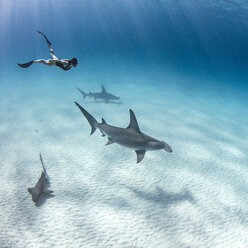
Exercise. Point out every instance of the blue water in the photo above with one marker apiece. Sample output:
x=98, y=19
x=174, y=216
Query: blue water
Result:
x=182, y=67
x=203, y=38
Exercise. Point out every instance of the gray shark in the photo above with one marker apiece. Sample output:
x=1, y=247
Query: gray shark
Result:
x=130, y=137
x=40, y=187
x=100, y=95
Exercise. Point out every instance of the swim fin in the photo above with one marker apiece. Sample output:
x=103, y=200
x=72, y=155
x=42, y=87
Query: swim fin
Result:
x=48, y=42
x=25, y=65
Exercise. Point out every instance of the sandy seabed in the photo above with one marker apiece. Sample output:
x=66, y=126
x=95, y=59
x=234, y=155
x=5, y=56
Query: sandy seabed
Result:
x=194, y=197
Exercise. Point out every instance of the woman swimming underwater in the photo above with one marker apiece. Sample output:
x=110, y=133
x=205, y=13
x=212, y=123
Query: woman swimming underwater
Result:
x=65, y=64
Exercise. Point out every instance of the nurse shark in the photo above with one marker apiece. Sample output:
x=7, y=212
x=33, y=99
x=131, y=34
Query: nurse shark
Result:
x=41, y=185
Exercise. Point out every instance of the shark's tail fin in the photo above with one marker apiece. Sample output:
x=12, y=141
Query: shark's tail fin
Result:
x=41, y=160
x=89, y=118
x=25, y=65
x=82, y=92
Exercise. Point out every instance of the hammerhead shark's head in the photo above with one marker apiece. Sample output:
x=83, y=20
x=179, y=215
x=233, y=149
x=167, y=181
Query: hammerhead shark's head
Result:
x=130, y=137
x=40, y=187
x=100, y=95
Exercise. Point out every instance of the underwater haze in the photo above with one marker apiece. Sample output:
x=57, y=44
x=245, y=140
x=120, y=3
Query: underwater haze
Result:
x=181, y=66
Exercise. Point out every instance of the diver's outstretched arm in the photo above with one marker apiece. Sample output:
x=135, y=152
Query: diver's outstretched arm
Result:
x=48, y=42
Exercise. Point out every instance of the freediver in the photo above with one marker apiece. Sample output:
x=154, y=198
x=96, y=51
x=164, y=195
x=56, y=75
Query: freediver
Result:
x=64, y=64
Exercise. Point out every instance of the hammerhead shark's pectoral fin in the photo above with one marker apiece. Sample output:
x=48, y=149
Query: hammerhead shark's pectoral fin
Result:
x=103, y=135
x=140, y=155
x=47, y=191
x=109, y=142
x=30, y=190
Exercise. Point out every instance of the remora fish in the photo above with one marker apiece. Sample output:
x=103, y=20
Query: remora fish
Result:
x=100, y=95
x=40, y=187
x=130, y=137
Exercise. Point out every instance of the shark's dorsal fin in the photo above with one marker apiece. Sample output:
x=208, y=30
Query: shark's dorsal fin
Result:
x=103, y=121
x=140, y=155
x=103, y=89
x=133, y=122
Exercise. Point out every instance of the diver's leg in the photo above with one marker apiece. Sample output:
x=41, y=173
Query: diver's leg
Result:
x=52, y=56
x=43, y=61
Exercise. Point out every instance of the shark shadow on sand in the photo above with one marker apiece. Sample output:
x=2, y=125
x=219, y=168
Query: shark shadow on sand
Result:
x=163, y=197
x=105, y=96
x=40, y=192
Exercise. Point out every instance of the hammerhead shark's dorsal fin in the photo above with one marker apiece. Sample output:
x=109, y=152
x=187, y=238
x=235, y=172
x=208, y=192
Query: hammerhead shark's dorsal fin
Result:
x=103, y=89
x=133, y=122
x=103, y=121
x=140, y=155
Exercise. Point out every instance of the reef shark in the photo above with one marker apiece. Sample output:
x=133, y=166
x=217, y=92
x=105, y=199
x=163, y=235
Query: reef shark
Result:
x=130, y=137
x=100, y=95
x=40, y=187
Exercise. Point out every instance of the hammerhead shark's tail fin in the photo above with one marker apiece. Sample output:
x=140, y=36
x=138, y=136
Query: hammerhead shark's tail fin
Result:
x=41, y=160
x=89, y=118
x=83, y=93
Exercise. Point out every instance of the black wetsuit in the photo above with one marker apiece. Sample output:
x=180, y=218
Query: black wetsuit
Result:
x=63, y=67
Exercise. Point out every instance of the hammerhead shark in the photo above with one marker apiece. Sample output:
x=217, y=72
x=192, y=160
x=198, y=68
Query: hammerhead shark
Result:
x=40, y=187
x=130, y=137
x=100, y=95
